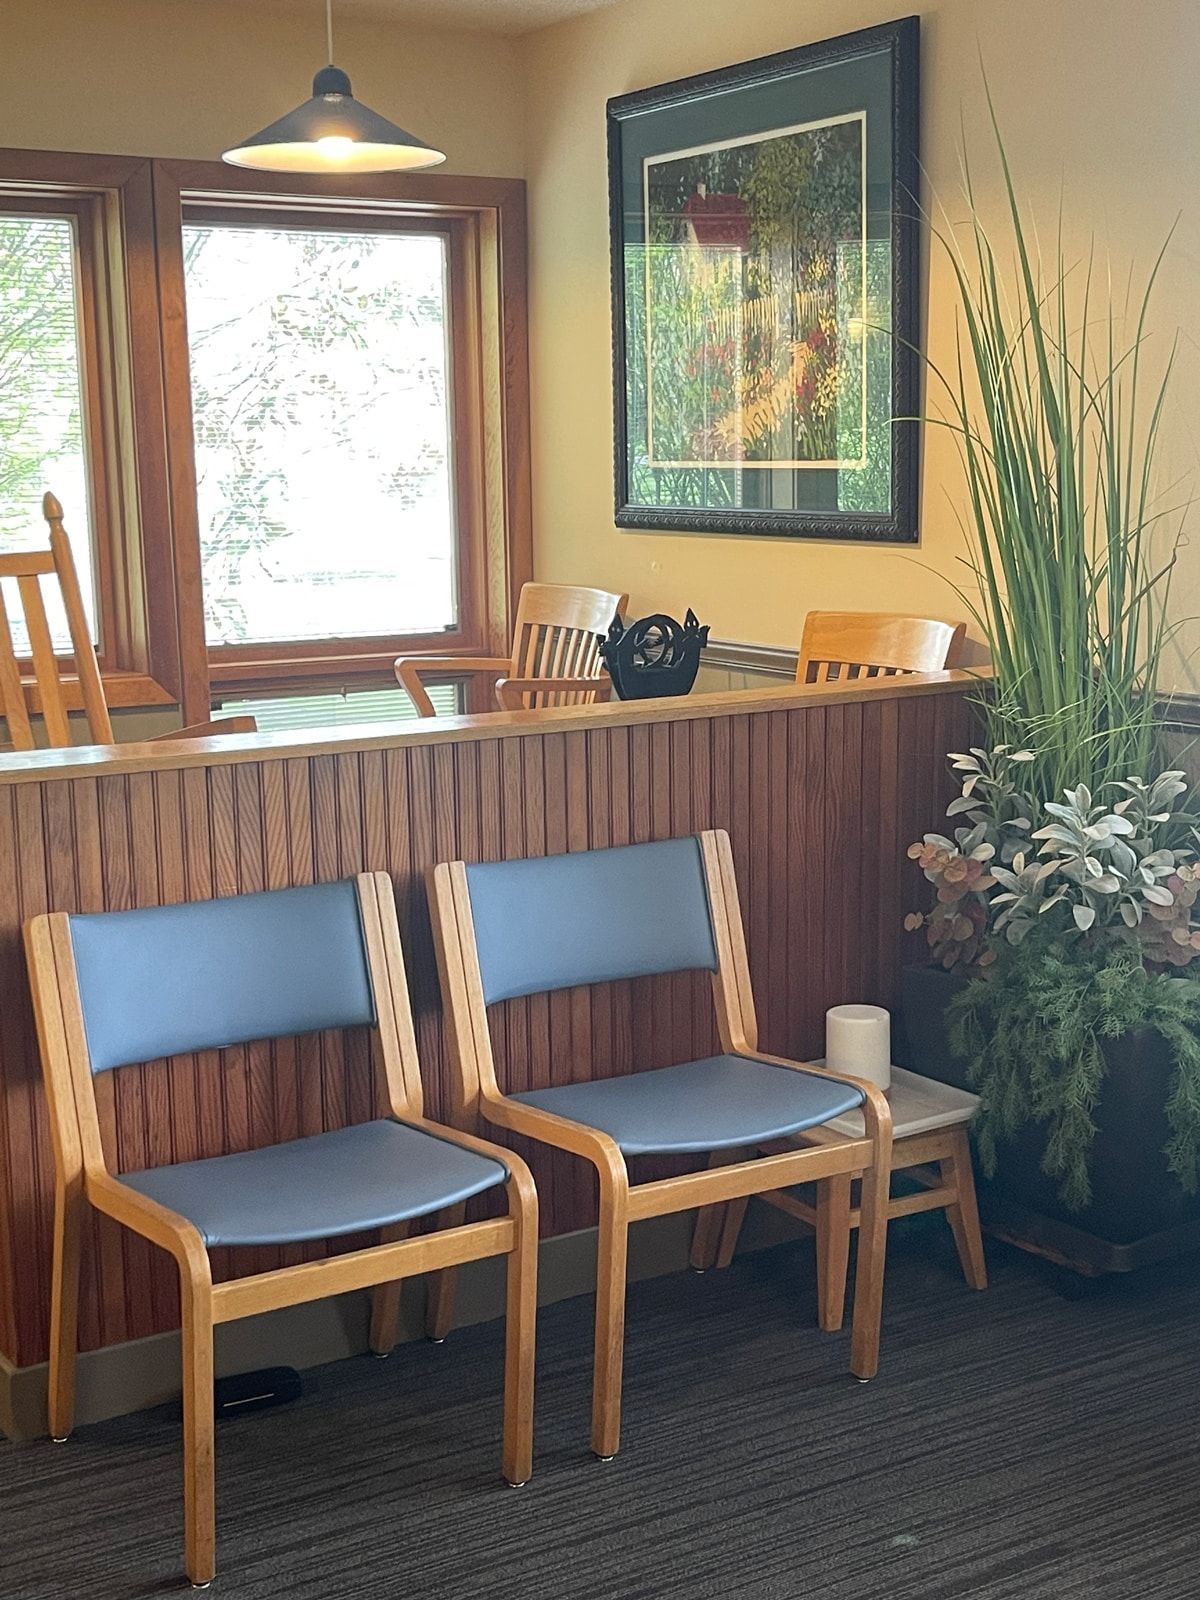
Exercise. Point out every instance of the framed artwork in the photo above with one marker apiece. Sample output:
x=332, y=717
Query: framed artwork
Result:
x=764, y=246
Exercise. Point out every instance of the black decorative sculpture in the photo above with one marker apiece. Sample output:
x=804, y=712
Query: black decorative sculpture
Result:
x=656, y=656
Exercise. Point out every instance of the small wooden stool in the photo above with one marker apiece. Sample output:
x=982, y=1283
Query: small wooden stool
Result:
x=929, y=1143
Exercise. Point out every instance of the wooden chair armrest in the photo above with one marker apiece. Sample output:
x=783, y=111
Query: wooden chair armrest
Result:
x=876, y=1108
x=153, y=1221
x=408, y=671
x=519, y=1173
x=599, y=1148
x=510, y=691
x=207, y=730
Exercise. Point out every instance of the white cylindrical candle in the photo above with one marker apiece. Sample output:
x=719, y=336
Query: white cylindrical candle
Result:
x=858, y=1041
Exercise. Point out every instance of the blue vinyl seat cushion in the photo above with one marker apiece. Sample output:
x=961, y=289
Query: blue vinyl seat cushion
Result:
x=713, y=1104
x=317, y=1188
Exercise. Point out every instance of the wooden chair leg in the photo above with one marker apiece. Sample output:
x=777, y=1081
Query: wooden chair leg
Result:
x=833, y=1250
x=439, y=1294
x=612, y=1251
x=519, y=1347
x=731, y=1228
x=958, y=1173
x=69, y=1213
x=199, y=1463
x=385, y=1301
x=868, y=1273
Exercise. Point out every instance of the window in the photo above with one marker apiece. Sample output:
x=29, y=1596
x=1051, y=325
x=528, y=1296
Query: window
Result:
x=320, y=381
x=43, y=439
x=287, y=420
x=289, y=713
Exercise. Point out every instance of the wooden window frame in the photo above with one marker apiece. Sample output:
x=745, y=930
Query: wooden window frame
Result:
x=111, y=200
x=485, y=221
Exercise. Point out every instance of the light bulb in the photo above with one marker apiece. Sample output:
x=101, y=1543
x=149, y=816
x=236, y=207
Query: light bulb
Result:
x=335, y=146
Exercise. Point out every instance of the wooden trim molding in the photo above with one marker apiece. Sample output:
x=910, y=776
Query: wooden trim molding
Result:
x=92, y=761
x=765, y=660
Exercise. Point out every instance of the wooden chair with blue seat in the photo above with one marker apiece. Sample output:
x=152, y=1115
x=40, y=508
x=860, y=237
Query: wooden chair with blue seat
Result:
x=115, y=988
x=513, y=928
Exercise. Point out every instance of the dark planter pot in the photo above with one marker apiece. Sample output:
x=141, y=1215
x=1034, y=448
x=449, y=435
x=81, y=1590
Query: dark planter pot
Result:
x=1138, y=1213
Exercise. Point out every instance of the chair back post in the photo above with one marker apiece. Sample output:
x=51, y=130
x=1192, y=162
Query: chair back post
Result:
x=58, y=1013
x=393, y=1013
x=465, y=1009
x=737, y=1023
x=87, y=669
x=845, y=646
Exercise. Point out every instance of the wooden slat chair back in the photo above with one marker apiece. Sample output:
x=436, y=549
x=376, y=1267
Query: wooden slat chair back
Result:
x=514, y=928
x=29, y=567
x=845, y=646
x=555, y=658
x=114, y=988
x=50, y=694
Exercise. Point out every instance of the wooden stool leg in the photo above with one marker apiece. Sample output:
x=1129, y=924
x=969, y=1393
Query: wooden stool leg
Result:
x=868, y=1273
x=612, y=1251
x=439, y=1302
x=69, y=1212
x=385, y=1301
x=833, y=1250
x=519, y=1335
x=199, y=1465
x=711, y=1221
x=706, y=1237
x=731, y=1228
x=958, y=1173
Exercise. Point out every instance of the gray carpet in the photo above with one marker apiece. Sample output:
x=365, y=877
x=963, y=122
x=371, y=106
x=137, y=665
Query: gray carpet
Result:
x=1018, y=1445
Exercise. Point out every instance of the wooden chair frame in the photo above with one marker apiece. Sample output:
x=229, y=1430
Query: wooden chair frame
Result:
x=28, y=567
x=554, y=658
x=728, y=1176
x=84, y=1177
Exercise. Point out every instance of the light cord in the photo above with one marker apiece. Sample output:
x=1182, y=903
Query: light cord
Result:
x=329, y=30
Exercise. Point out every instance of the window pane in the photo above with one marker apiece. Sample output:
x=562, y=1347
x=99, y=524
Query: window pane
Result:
x=290, y=713
x=41, y=405
x=320, y=394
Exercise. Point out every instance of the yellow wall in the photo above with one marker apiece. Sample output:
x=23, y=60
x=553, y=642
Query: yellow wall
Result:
x=187, y=78
x=1096, y=96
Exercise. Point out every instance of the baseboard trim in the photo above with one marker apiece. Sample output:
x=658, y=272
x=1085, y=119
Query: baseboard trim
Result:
x=145, y=1372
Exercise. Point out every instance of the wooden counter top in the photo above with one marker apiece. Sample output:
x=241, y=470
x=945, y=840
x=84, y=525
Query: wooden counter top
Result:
x=98, y=760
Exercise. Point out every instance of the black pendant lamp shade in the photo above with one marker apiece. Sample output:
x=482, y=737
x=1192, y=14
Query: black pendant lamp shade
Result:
x=333, y=132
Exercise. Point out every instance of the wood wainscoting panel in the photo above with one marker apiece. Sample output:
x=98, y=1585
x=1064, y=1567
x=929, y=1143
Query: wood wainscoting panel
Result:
x=819, y=793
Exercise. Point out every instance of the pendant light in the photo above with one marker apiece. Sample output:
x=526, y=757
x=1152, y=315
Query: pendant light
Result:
x=333, y=132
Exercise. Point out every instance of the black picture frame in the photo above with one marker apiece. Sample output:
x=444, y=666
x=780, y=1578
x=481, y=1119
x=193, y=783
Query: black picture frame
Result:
x=894, y=46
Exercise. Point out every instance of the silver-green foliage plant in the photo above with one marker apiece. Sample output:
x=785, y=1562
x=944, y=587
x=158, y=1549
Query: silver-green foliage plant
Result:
x=1074, y=932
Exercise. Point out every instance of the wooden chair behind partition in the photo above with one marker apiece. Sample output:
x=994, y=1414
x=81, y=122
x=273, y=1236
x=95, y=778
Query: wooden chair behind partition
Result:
x=51, y=696
x=555, y=658
x=840, y=646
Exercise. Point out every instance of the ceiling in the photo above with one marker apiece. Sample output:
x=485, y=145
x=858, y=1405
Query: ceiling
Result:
x=483, y=16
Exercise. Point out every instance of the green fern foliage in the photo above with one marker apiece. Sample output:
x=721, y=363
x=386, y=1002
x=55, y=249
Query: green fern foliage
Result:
x=1032, y=1033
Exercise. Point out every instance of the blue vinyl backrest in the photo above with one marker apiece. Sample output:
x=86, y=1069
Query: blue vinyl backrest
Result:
x=210, y=973
x=557, y=921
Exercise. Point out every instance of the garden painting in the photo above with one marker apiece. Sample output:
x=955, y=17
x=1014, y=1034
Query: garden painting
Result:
x=755, y=292
x=766, y=357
